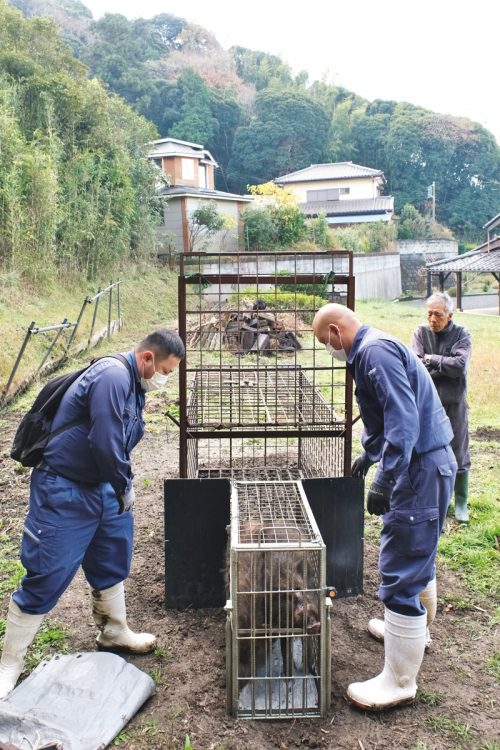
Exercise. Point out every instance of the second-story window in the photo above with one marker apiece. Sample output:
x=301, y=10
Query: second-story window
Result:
x=187, y=169
x=202, y=171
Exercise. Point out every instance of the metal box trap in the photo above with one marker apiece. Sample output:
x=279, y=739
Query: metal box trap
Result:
x=278, y=612
x=257, y=391
x=265, y=449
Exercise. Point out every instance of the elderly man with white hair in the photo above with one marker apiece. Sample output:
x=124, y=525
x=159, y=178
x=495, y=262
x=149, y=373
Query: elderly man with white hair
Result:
x=445, y=349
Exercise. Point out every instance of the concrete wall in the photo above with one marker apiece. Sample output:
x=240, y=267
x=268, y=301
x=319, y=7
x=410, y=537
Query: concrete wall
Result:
x=378, y=275
x=415, y=254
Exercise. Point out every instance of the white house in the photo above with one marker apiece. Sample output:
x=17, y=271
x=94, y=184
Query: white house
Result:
x=190, y=170
x=346, y=193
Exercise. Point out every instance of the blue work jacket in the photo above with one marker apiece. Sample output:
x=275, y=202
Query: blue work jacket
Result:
x=400, y=408
x=109, y=404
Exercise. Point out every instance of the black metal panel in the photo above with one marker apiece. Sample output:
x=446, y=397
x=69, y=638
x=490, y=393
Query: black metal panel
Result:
x=197, y=513
x=337, y=504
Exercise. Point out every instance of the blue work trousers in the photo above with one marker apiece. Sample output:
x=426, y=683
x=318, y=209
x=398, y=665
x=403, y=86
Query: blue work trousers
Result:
x=71, y=524
x=411, y=530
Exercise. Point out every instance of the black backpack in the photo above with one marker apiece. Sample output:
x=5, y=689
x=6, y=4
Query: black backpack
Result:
x=34, y=431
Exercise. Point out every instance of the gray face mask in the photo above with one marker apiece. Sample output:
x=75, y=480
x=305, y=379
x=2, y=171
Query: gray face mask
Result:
x=339, y=354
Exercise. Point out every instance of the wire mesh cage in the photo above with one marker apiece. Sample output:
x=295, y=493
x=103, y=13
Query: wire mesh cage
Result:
x=278, y=614
x=258, y=395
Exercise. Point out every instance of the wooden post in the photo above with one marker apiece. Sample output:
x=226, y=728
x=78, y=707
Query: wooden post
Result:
x=458, y=277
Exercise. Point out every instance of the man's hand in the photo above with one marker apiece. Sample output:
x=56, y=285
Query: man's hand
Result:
x=126, y=501
x=427, y=360
x=360, y=467
x=379, y=499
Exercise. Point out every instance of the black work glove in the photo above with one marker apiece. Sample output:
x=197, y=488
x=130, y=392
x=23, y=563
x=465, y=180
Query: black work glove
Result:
x=126, y=501
x=360, y=467
x=379, y=499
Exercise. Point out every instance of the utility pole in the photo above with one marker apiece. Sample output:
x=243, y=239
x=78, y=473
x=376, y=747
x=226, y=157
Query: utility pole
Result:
x=431, y=193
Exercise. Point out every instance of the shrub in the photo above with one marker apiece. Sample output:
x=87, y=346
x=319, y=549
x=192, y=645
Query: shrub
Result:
x=278, y=300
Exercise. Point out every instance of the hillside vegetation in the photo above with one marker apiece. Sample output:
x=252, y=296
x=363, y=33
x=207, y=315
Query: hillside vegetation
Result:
x=76, y=194
x=261, y=121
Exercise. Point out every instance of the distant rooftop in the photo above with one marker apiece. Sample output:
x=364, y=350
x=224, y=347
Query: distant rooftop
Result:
x=174, y=147
x=382, y=205
x=177, y=191
x=485, y=258
x=334, y=171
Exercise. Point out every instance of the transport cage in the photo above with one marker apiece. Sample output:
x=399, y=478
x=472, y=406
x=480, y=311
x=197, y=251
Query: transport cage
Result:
x=259, y=396
x=278, y=612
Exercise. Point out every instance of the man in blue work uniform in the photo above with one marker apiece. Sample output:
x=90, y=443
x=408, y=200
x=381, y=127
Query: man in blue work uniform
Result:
x=408, y=433
x=81, y=501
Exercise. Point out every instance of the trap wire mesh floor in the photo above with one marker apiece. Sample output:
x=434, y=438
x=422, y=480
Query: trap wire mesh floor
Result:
x=249, y=398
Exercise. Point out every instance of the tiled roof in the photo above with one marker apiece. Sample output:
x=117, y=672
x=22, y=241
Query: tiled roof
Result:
x=181, y=190
x=174, y=147
x=335, y=171
x=480, y=259
x=349, y=207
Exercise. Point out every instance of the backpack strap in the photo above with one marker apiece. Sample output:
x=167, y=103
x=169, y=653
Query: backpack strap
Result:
x=74, y=422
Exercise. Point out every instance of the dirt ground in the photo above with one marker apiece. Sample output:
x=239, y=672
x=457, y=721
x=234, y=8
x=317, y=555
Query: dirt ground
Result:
x=457, y=705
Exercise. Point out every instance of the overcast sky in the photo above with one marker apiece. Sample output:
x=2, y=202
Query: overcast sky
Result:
x=440, y=54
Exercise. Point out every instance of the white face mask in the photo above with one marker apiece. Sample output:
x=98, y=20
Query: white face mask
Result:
x=339, y=354
x=154, y=383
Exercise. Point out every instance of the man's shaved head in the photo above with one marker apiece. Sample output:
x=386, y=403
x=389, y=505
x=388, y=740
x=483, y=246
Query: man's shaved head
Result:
x=333, y=319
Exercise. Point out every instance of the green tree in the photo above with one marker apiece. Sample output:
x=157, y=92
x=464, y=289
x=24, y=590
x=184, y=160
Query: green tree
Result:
x=196, y=122
x=76, y=193
x=289, y=132
x=261, y=69
x=203, y=223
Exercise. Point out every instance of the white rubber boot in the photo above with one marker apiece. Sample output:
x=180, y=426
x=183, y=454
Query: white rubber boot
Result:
x=20, y=631
x=428, y=597
x=404, y=639
x=108, y=609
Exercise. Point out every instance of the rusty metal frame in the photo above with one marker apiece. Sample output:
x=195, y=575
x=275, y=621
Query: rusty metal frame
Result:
x=264, y=273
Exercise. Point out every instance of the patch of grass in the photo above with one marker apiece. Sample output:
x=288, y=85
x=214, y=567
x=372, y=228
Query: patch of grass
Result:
x=493, y=666
x=149, y=728
x=11, y=570
x=429, y=697
x=121, y=738
x=155, y=674
x=490, y=745
x=456, y=602
x=146, y=483
x=148, y=299
x=187, y=743
x=51, y=638
x=448, y=726
x=162, y=653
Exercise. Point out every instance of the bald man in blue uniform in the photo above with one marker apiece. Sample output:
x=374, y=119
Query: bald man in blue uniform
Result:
x=407, y=432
